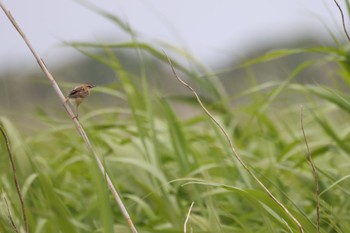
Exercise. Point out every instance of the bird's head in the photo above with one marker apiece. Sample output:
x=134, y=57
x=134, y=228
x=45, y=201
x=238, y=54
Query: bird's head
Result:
x=88, y=85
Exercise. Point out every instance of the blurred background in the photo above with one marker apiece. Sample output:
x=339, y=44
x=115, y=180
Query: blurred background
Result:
x=218, y=35
x=253, y=63
x=214, y=32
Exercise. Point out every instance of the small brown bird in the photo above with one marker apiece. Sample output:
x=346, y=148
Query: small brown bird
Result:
x=79, y=93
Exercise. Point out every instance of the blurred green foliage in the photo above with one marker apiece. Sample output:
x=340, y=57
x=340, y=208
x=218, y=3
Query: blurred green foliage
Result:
x=162, y=152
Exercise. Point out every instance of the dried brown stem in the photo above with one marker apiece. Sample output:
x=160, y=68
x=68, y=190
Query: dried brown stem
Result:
x=343, y=20
x=72, y=115
x=233, y=150
x=314, y=170
x=14, y=172
x=10, y=217
x=188, y=217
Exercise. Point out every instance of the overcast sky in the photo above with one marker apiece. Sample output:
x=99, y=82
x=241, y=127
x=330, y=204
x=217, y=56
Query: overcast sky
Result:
x=212, y=30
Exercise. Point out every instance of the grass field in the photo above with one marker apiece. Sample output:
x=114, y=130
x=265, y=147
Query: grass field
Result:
x=163, y=152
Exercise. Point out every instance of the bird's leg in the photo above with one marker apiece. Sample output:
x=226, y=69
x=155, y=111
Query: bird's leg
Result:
x=66, y=101
x=76, y=111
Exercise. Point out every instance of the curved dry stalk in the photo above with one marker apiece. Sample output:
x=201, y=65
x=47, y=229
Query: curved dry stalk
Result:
x=18, y=190
x=188, y=217
x=343, y=20
x=72, y=115
x=233, y=150
x=314, y=170
x=10, y=216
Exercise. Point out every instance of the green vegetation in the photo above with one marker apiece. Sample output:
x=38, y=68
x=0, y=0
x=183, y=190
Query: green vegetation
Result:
x=163, y=152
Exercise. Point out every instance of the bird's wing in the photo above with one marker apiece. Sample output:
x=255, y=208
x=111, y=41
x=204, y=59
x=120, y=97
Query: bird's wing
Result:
x=75, y=92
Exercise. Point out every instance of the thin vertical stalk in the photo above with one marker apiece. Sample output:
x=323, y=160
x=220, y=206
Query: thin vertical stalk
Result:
x=314, y=170
x=19, y=193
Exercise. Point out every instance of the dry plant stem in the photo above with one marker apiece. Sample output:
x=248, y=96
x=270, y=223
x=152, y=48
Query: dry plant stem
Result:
x=10, y=217
x=343, y=20
x=72, y=115
x=314, y=170
x=15, y=180
x=233, y=150
x=187, y=217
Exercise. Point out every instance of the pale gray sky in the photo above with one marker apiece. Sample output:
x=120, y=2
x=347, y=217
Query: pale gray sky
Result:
x=212, y=30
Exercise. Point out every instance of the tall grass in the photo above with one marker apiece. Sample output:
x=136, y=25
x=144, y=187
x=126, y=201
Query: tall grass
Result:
x=163, y=153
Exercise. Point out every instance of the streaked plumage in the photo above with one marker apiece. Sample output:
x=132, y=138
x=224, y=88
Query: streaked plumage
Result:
x=79, y=93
